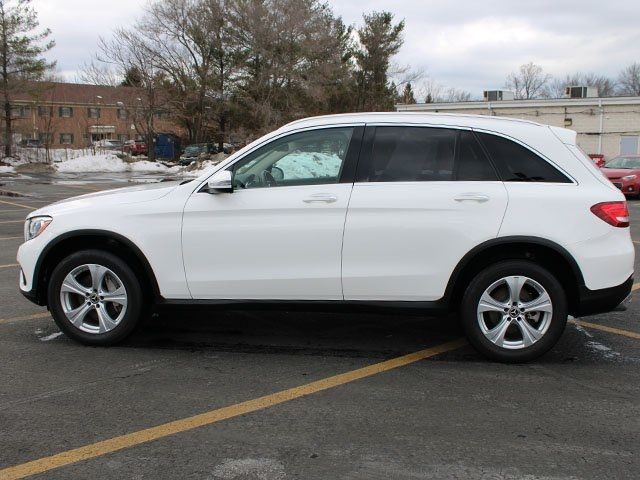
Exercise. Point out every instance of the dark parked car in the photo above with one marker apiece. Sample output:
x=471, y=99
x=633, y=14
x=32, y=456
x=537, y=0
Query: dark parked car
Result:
x=193, y=152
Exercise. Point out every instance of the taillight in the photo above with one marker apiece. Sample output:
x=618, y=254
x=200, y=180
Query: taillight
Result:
x=614, y=213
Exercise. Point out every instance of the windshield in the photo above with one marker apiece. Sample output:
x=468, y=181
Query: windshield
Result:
x=623, y=162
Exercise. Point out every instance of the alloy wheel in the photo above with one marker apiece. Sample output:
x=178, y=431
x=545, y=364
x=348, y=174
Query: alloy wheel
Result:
x=514, y=312
x=93, y=298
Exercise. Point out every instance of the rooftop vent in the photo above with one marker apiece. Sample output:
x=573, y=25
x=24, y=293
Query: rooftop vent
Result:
x=497, y=95
x=574, y=91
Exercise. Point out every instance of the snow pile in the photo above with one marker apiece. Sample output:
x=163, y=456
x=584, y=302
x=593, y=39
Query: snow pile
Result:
x=109, y=162
x=309, y=165
x=7, y=169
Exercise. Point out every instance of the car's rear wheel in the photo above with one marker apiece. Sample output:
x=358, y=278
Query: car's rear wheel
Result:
x=514, y=311
x=95, y=297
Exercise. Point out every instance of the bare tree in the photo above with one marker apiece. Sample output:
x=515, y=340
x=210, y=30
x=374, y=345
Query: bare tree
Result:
x=21, y=60
x=127, y=49
x=528, y=82
x=629, y=80
x=434, y=92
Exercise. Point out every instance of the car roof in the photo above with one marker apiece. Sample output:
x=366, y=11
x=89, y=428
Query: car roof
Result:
x=515, y=127
x=408, y=117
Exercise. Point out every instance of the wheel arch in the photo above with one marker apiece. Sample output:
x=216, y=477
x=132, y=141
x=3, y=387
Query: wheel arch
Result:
x=112, y=242
x=544, y=252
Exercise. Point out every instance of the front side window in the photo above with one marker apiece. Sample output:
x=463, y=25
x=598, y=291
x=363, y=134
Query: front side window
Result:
x=65, y=112
x=93, y=112
x=66, y=138
x=516, y=163
x=313, y=157
x=425, y=154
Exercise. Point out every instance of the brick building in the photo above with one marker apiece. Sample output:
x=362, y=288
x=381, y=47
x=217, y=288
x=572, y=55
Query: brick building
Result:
x=73, y=115
x=606, y=126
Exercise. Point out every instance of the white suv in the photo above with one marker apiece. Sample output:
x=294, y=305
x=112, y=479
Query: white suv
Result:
x=505, y=222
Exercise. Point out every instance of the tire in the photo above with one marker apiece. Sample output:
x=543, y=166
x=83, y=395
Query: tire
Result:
x=99, y=319
x=526, y=330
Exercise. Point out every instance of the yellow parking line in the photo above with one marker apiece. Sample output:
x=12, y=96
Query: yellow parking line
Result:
x=9, y=265
x=11, y=238
x=11, y=221
x=604, y=328
x=149, y=434
x=18, y=319
x=635, y=287
x=17, y=204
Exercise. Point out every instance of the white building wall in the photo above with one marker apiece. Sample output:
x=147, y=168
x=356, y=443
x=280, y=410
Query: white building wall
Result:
x=618, y=116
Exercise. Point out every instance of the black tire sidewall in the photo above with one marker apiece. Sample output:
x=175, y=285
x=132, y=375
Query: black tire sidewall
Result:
x=129, y=280
x=493, y=273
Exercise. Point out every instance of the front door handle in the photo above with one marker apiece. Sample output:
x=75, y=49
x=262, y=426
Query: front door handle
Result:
x=321, y=198
x=472, y=197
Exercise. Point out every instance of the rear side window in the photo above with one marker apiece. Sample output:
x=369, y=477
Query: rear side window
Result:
x=516, y=163
x=423, y=154
x=472, y=163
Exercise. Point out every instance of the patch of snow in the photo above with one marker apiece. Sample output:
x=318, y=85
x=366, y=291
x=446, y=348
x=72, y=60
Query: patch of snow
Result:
x=50, y=337
x=254, y=468
x=108, y=162
x=7, y=169
x=598, y=347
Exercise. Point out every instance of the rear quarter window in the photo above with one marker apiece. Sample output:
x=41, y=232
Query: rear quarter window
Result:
x=516, y=163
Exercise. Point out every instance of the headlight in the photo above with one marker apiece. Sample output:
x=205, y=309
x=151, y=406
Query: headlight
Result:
x=34, y=226
x=628, y=178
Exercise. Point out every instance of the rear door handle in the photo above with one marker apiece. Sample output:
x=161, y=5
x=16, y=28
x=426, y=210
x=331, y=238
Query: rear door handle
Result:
x=321, y=198
x=472, y=197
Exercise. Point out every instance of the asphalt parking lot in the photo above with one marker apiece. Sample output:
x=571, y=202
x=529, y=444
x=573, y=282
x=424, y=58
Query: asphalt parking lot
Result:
x=300, y=395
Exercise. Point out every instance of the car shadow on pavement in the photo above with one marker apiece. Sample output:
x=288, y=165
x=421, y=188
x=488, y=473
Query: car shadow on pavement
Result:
x=295, y=332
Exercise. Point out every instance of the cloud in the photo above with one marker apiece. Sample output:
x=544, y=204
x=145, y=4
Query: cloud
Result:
x=474, y=45
x=466, y=44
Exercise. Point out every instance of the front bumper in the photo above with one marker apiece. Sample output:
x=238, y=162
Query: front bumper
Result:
x=627, y=187
x=591, y=302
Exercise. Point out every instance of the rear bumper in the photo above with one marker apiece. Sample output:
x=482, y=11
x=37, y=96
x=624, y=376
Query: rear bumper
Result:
x=591, y=302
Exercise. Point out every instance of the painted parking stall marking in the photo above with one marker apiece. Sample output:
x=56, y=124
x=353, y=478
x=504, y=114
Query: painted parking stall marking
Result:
x=17, y=204
x=208, y=418
x=25, y=317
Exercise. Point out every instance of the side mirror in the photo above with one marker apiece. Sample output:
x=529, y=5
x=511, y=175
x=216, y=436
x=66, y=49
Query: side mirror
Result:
x=221, y=182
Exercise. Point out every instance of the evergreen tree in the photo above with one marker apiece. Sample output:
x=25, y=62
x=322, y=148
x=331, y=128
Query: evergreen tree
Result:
x=380, y=40
x=407, y=95
x=21, y=60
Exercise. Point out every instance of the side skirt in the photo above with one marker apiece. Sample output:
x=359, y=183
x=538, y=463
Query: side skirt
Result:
x=436, y=308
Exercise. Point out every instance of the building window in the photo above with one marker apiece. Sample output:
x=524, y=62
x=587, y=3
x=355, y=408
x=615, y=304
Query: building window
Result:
x=45, y=138
x=20, y=112
x=123, y=114
x=45, y=111
x=66, y=138
x=65, y=112
x=629, y=145
x=123, y=137
x=93, y=112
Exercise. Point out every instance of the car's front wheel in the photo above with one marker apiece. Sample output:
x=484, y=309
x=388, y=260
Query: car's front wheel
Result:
x=95, y=297
x=514, y=311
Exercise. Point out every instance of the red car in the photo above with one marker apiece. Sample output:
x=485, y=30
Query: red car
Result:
x=135, y=147
x=624, y=173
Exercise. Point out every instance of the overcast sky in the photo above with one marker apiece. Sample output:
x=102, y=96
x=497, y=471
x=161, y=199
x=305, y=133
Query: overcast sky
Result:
x=468, y=44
